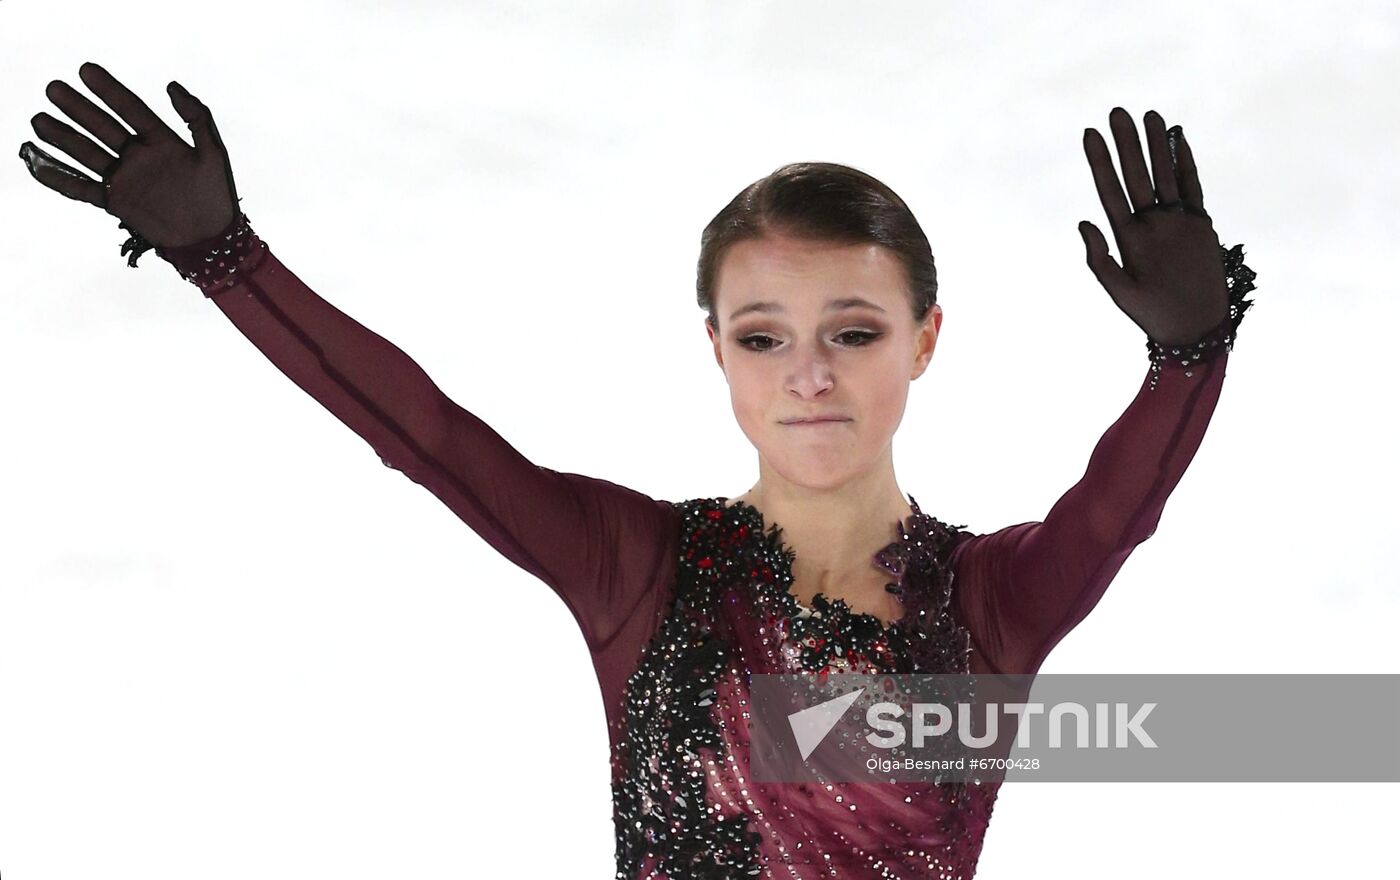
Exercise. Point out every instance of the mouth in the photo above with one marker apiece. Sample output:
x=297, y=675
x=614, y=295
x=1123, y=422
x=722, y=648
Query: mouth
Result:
x=812, y=422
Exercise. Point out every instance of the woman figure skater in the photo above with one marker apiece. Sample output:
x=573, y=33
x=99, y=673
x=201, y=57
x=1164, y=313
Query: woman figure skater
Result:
x=820, y=293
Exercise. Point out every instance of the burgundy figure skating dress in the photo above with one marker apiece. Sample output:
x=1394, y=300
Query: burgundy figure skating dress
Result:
x=680, y=602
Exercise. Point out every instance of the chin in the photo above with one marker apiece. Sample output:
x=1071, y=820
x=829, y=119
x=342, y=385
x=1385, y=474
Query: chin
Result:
x=818, y=474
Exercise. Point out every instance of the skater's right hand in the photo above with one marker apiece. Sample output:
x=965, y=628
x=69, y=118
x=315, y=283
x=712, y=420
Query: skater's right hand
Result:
x=156, y=184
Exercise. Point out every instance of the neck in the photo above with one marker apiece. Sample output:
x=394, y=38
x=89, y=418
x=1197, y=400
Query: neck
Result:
x=833, y=531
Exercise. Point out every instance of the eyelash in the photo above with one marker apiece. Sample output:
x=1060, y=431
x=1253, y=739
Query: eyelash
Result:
x=867, y=337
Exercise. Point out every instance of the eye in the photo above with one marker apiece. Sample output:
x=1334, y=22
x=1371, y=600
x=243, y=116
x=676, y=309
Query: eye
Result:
x=752, y=342
x=863, y=337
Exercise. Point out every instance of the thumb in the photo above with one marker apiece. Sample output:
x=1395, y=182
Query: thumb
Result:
x=1095, y=246
x=197, y=116
x=1104, y=267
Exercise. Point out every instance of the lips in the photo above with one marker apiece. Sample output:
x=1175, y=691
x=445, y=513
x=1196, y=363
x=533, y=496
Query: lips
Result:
x=815, y=420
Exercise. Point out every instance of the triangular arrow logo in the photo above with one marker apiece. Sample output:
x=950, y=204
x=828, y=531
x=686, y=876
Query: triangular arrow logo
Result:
x=811, y=725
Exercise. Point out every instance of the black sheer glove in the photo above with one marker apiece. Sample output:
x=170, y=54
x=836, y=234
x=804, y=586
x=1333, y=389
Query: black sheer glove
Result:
x=1173, y=280
x=165, y=192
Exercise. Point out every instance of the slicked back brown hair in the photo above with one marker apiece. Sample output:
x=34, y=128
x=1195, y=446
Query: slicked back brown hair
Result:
x=820, y=201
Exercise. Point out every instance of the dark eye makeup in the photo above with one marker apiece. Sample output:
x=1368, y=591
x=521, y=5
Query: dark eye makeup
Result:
x=854, y=339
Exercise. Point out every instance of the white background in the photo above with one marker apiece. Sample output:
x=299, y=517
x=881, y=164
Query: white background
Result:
x=233, y=644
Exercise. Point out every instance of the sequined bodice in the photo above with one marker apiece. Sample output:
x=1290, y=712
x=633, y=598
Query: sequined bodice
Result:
x=685, y=807
x=825, y=635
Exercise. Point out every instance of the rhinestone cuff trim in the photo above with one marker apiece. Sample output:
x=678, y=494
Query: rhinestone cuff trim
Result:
x=1240, y=279
x=218, y=262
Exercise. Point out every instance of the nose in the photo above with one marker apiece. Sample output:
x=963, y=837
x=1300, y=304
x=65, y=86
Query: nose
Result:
x=811, y=372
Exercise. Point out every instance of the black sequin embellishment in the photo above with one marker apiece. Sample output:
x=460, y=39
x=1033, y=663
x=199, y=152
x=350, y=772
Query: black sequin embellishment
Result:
x=134, y=246
x=732, y=616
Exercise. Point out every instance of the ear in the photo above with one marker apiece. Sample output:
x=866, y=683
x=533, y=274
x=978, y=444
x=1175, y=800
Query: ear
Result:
x=926, y=341
x=714, y=340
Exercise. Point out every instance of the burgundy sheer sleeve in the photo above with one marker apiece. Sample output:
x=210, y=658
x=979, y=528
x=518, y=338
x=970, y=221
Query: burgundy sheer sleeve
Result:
x=598, y=545
x=1021, y=589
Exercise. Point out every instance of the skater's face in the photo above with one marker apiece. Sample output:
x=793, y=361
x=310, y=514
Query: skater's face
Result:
x=818, y=329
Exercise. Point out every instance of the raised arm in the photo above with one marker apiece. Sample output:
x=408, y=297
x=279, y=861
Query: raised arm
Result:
x=595, y=543
x=1021, y=589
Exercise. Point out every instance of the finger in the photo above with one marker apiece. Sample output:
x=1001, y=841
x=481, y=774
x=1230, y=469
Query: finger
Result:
x=1190, y=180
x=130, y=108
x=1100, y=261
x=62, y=178
x=197, y=116
x=1130, y=159
x=87, y=114
x=208, y=144
x=1118, y=283
x=66, y=138
x=1115, y=204
x=1163, y=169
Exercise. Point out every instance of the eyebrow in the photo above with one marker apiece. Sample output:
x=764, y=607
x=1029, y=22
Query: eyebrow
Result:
x=831, y=306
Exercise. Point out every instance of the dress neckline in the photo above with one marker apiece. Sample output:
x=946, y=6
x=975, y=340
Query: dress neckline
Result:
x=890, y=559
